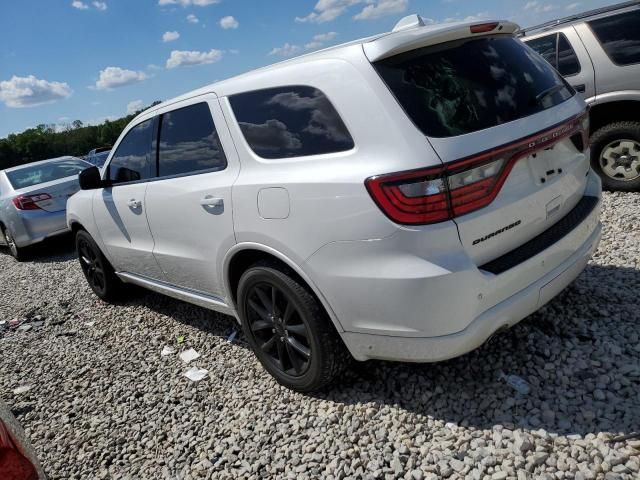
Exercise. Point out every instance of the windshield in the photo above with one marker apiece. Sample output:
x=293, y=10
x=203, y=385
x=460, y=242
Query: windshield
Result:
x=468, y=85
x=45, y=172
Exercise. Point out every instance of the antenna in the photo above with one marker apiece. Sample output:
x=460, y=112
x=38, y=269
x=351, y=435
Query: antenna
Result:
x=410, y=21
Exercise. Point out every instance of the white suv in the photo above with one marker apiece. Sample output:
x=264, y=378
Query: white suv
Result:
x=402, y=197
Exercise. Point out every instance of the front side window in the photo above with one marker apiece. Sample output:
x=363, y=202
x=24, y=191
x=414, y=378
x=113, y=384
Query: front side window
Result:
x=472, y=84
x=557, y=50
x=29, y=176
x=289, y=122
x=132, y=160
x=189, y=142
x=619, y=36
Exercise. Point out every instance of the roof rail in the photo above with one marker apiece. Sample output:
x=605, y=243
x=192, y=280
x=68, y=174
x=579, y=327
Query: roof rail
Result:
x=576, y=17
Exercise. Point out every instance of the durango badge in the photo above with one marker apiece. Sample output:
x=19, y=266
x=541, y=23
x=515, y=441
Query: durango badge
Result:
x=497, y=232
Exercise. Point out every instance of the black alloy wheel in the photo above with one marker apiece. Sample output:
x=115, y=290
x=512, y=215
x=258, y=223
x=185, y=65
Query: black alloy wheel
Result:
x=279, y=329
x=97, y=269
x=92, y=266
x=288, y=328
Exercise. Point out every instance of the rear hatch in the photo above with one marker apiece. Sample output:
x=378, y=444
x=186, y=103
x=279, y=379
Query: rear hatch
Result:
x=508, y=129
x=46, y=185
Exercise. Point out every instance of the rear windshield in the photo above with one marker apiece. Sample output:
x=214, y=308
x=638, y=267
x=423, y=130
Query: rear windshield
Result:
x=468, y=85
x=45, y=172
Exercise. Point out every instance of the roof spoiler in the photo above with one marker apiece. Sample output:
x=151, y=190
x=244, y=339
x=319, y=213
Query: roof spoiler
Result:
x=414, y=32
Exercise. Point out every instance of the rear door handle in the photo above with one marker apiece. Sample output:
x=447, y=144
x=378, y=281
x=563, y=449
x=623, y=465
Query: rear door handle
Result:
x=580, y=88
x=133, y=203
x=211, y=201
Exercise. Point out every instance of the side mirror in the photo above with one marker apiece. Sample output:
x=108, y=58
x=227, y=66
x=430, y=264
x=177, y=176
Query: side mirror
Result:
x=90, y=179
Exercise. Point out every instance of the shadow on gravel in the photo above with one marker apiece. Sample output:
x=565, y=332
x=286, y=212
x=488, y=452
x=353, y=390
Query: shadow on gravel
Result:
x=52, y=250
x=208, y=321
x=579, y=354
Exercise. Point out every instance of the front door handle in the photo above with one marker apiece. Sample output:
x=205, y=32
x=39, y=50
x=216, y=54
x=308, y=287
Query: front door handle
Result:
x=133, y=203
x=211, y=201
x=580, y=88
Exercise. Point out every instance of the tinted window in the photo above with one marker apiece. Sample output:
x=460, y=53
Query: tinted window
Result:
x=189, y=142
x=557, y=50
x=45, y=172
x=568, y=63
x=469, y=85
x=547, y=47
x=620, y=36
x=290, y=122
x=132, y=160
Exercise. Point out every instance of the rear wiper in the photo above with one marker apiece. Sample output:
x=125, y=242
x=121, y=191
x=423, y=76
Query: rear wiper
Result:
x=549, y=91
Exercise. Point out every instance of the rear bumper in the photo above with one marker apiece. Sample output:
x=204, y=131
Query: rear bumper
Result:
x=503, y=315
x=33, y=226
x=417, y=296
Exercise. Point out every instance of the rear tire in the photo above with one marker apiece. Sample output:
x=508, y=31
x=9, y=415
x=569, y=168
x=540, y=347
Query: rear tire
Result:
x=292, y=337
x=615, y=155
x=15, y=251
x=97, y=269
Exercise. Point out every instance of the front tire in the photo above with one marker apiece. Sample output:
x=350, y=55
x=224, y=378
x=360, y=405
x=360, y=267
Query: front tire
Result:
x=15, y=251
x=97, y=269
x=288, y=329
x=615, y=155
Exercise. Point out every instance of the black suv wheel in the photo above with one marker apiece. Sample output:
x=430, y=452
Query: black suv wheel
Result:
x=288, y=329
x=97, y=269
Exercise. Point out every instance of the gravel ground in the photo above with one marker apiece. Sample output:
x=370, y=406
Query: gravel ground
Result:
x=106, y=404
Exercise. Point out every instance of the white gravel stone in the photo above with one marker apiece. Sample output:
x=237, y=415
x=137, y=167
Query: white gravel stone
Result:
x=106, y=404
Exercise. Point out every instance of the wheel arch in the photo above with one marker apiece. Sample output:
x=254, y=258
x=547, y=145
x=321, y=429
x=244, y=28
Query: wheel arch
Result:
x=603, y=114
x=243, y=255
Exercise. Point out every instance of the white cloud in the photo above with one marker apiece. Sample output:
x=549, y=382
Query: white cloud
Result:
x=79, y=5
x=186, y=3
x=229, y=22
x=381, y=9
x=287, y=50
x=537, y=7
x=181, y=58
x=30, y=91
x=328, y=10
x=573, y=6
x=100, y=5
x=134, y=106
x=191, y=18
x=319, y=40
x=469, y=18
x=170, y=36
x=113, y=77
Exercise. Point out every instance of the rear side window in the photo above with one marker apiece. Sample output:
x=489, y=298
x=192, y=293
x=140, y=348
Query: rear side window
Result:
x=468, y=85
x=557, y=50
x=45, y=172
x=132, y=160
x=619, y=36
x=288, y=122
x=189, y=142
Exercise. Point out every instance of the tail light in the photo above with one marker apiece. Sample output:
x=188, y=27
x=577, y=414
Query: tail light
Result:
x=13, y=464
x=29, y=202
x=432, y=195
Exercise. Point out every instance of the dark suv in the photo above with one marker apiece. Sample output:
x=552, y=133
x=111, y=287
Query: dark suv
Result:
x=598, y=52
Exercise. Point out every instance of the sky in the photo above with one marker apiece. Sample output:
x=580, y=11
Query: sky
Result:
x=88, y=60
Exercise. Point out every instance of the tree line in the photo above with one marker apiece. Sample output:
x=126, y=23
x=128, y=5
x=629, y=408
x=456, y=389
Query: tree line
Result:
x=49, y=141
